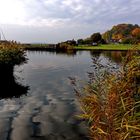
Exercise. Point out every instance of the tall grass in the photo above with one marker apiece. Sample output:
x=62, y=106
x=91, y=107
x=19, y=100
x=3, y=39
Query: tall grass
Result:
x=11, y=53
x=111, y=101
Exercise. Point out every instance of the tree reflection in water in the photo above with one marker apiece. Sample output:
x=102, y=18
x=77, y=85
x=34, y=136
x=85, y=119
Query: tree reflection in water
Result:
x=115, y=56
x=9, y=87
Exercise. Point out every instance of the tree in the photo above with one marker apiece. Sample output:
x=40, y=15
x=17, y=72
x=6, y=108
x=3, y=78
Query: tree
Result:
x=87, y=41
x=117, y=36
x=102, y=41
x=80, y=41
x=107, y=36
x=127, y=40
x=129, y=33
x=136, y=32
x=96, y=37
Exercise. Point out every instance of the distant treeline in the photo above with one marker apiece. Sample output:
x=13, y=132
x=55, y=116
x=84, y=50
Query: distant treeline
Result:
x=121, y=33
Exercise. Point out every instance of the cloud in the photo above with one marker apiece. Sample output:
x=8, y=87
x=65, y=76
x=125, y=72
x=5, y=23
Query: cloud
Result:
x=74, y=16
x=54, y=12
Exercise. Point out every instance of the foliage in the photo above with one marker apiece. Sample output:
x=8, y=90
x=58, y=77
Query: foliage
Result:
x=67, y=45
x=123, y=32
x=117, y=36
x=96, y=37
x=80, y=41
x=136, y=33
x=102, y=41
x=11, y=53
x=111, y=101
x=64, y=46
x=129, y=40
x=87, y=41
x=107, y=36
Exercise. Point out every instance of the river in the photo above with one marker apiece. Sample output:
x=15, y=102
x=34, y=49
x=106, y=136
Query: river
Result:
x=49, y=109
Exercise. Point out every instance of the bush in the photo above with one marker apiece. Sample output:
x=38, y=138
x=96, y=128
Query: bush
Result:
x=111, y=101
x=64, y=46
x=11, y=53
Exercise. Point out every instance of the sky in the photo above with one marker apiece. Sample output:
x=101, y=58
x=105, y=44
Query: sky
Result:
x=52, y=21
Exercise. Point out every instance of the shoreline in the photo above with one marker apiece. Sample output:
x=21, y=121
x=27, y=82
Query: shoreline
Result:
x=109, y=47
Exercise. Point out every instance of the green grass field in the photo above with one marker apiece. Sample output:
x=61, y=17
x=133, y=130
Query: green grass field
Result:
x=108, y=47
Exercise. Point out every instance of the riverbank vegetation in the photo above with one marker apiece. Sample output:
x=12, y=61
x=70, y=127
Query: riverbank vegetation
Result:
x=119, y=37
x=118, y=34
x=110, y=101
x=11, y=53
x=65, y=47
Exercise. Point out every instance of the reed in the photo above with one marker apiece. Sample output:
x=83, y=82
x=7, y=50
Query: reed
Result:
x=110, y=101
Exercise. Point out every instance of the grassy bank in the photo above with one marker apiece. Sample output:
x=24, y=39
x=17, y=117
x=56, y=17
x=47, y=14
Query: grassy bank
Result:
x=107, y=47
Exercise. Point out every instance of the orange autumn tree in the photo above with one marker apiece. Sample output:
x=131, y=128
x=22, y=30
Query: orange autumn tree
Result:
x=136, y=32
x=117, y=36
x=128, y=33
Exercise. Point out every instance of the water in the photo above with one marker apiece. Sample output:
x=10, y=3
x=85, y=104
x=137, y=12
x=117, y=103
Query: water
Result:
x=48, y=110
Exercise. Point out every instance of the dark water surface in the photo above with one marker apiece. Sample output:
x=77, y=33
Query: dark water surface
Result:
x=48, y=111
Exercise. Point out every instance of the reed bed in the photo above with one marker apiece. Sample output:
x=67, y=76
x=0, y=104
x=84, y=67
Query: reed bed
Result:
x=110, y=101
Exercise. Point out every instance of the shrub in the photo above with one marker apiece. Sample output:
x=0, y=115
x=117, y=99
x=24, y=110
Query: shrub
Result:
x=64, y=46
x=11, y=53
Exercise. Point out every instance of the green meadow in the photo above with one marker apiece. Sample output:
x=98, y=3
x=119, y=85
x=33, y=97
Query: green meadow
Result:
x=108, y=47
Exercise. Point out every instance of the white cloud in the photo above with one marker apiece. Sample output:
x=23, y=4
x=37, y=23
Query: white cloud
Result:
x=11, y=11
x=49, y=12
x=66, y=15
